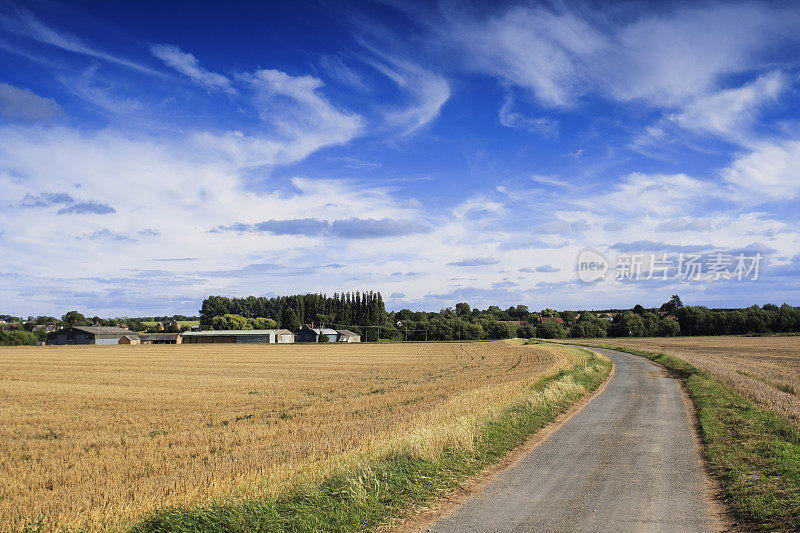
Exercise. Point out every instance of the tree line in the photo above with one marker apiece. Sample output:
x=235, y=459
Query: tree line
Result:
x=365, y=314
x=362, y=311
x=349, y=309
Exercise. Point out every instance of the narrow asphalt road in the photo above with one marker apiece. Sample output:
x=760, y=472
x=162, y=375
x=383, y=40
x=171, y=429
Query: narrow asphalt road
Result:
x=627, y=462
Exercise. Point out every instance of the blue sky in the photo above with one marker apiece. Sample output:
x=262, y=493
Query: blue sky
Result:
x=153, y=153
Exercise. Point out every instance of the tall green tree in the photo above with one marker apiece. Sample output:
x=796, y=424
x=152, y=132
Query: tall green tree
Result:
x=74, y=318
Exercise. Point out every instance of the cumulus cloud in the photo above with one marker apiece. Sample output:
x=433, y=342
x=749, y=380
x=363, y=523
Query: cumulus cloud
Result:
x=187, y=64
x=351, y=228
x=474, y=262
x=357, y=228
x=71, y=206
x=23, y=105
x=46, y=199
x=104, y=234
x=90, y=207
x=647, y=246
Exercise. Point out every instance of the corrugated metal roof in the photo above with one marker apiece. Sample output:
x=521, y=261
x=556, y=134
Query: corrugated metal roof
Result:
x=162, y=337
x=326, y=331
x=229, y=332
x=103, y=330
x=347, y=332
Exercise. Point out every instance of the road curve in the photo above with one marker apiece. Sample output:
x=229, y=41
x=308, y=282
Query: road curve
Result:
x=627, y=462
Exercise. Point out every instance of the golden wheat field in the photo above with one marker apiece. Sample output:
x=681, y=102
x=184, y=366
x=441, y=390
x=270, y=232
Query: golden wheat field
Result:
x=96, y=436
x=765, y=369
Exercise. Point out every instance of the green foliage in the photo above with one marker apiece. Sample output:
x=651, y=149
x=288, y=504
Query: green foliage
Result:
x=672, y=305
x=290, y=312
x=238, y=322
x=589, y=326
x=551, y=330
x=697, y=320
x=323, y=338
x=263, y=323
x=463, y=309
x=74, y=318
x=18, y=338
x=354, y=310
x=525, y=332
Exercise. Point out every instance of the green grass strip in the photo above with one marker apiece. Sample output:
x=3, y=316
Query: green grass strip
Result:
x=753, y=452
x=382, y=490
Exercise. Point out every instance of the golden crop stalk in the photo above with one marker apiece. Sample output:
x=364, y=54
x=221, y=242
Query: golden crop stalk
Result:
x=97, y=436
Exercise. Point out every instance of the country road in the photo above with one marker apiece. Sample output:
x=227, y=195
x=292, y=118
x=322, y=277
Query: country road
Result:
x=627, y=462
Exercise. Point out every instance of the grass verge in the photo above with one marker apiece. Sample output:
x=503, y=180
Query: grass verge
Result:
x=753, y=452
x=381, y=490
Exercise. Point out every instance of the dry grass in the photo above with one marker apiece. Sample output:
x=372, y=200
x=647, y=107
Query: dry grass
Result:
x=764, y=369
x=97, y=436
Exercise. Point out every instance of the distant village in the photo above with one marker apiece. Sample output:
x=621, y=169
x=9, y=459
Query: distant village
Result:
x=168, y=331
x=107, y=335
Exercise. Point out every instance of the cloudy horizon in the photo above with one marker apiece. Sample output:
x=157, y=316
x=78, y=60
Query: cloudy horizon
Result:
x=436, y=153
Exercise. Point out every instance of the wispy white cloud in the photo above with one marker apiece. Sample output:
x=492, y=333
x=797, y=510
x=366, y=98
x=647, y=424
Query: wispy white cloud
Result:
x=425, y=90
x=89, y=88
x=23, y=105
x=731, y=112
x=662, y=59
x=297, y=119
x=531, y=47
x=187, y=64
x=335, y=67
x=511, y=118
x=769, y=172
x=23, y=22
x=296, y=106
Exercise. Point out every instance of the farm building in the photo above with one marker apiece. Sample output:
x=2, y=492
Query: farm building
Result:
x=514, y=322
x=259, y=336
x=345, y=335
x=556, y=319
x=307, y=334
x=165, y=338
x=283, y=336
x=310, y=334
x=129, y=339
x=87, y=335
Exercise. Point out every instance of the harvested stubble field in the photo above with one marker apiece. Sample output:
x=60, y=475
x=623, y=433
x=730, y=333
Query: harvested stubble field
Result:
x=764, y=369
x=96, y=437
